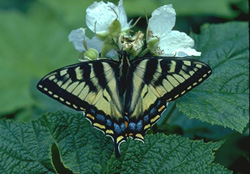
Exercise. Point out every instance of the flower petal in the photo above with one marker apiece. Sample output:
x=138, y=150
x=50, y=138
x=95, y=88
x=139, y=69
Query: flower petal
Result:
x=95, y=43
x=100, y=15
x=162, y=20
x=178, y=44
x=122, y=16
x=112, y=54
x=77, y=37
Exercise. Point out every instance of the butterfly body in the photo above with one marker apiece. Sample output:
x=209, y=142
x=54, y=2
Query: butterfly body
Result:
x=124, y=98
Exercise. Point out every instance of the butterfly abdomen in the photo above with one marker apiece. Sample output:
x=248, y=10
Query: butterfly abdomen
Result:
x=123, y=71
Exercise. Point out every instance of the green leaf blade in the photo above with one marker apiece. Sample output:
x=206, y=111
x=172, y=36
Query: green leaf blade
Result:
x=166, y=154
x=83, y=149
x=223, y=98
x=24, y=148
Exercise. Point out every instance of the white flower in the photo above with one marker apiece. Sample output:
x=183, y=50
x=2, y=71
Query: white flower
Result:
x=78, y=37
x=162, y=40
x=107, y=21
x=100, y=16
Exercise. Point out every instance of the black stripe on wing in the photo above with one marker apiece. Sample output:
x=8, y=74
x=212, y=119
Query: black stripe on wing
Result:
x=86, y=87
x=158, y=80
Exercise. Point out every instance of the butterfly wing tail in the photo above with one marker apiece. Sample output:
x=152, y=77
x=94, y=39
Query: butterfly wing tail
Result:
x=117, y=150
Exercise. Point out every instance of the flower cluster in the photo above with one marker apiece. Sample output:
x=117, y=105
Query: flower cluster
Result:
x=112, y=33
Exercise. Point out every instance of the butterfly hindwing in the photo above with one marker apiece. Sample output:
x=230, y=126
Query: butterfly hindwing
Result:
x=91, y=87
x=156, y=81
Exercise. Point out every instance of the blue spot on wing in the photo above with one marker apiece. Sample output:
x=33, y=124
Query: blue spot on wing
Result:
x=131, y=126
x=92, y=111
x=158, y=103
x=146, y=118
x=153, y=111
x=139, y=125
x=109, y=122
x=123, y=128
x=100, y=117
x=117, y=128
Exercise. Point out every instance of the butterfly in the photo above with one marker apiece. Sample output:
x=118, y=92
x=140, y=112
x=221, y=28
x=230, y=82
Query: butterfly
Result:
x=124, y=98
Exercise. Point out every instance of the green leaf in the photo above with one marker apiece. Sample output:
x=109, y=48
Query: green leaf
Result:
x=30, y=47
x=25, y=148
x=166, y=154
x=223, y=98
x=83, y=149
x=194, y=128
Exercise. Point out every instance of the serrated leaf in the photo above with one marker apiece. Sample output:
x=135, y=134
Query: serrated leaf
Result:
x=83, y=149
x=194, y=128
x=25, y=148
x=166, y=154
x=30, y=47
x=223, y=98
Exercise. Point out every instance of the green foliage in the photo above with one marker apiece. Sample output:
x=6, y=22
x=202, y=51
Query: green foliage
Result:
x=223, y=99
x=191, y=7
x=30, y=47
x=35, y=42
x=25, y=148
x=83, y=149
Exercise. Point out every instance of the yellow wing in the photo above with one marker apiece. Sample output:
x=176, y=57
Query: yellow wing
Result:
x=92, y=87
x=154, y=82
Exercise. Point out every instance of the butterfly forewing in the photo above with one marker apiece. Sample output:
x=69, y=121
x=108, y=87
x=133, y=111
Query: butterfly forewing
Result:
x=91, y=87
x=154, y=82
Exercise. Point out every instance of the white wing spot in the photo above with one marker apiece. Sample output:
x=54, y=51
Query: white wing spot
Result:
x=62, y=99
x=82, y=109
x=198, y=65
x=79, y=73
x=52, y=77
x=176, y=96
x=172, y=66
x=169, y=99
x=191, y=73
x=59, y=83
x=63, y=72
x=188, y=63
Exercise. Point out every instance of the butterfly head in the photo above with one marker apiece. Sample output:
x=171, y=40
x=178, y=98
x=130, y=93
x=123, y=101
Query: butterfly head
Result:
x=123, y=54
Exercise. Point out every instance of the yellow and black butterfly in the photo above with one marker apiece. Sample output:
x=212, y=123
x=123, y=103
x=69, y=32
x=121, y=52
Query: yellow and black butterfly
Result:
x=124, y=98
